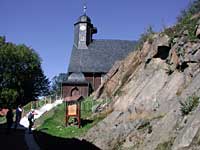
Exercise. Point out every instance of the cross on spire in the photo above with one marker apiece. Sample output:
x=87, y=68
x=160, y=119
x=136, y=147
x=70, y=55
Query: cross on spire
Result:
x=84, y=7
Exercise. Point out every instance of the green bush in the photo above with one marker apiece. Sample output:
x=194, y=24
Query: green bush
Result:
x=186, y=22
x=192, y=9
x=189, y=105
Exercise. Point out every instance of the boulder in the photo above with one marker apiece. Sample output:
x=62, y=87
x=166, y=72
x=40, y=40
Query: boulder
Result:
x=163, y=40
x=145, y=50
x=197, y=56
x=107, y=77
x=192, y=53
x=160, y=47
x=174, y=58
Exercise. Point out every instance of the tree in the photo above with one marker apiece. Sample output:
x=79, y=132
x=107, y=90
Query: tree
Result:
x=21, y=76
x=57, y=83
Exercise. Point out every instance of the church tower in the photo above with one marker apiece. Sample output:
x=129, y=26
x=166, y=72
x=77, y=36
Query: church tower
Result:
x=90, y=60
x=83, y=31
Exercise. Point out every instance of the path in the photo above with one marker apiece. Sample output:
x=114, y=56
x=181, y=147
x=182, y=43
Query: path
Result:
x=24, y=121
x=22, y=140
x=30, y=141
x=12, y=141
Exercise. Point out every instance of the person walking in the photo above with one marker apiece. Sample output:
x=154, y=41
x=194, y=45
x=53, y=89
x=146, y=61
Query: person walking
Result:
x=18, y=116
x=31, y=119
x=9, y=119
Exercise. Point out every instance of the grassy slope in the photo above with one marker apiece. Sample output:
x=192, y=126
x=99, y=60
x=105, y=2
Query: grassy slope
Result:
x=2, y=119
x=53, y=122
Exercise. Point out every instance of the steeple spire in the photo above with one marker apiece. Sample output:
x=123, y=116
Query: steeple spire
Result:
x=84, y=7
x=83, y=30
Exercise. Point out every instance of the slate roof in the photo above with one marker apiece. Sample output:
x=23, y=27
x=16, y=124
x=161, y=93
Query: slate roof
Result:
x=76, y=77
x=100, y=55
x=84, y=18
x=74, y=98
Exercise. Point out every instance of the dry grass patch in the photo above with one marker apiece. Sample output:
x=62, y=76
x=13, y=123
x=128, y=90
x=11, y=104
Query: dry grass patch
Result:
x=146, y=116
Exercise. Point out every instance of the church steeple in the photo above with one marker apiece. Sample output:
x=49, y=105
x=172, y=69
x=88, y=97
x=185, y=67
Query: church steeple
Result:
x=83, y=31
x=84, y=9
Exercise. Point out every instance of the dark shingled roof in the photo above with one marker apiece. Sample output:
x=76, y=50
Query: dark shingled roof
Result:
x=100, y=55
x=77, y=77
x=84, y=18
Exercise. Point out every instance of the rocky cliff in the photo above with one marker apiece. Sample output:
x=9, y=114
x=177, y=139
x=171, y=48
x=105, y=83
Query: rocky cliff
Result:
x=155, y=95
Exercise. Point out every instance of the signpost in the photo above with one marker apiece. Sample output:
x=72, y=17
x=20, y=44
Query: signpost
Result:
x=73, y=106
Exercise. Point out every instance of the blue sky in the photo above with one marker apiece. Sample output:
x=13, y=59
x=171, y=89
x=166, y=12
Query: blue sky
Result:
x=47, y=25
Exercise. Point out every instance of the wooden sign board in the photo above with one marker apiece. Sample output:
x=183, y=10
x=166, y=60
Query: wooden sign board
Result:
x=72, y=110
x=73, y=106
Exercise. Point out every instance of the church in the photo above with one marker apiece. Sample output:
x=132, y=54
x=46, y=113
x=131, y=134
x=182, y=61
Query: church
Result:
x=91, y=58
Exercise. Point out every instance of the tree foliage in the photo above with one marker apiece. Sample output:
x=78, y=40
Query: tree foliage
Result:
x=57, y=83
x=21, y=76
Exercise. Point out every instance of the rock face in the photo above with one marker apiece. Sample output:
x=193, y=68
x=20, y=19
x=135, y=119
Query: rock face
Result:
x=146, y=89
x=198, y=31
x=186, y=137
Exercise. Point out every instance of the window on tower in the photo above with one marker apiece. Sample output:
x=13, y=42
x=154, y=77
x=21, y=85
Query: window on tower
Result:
x=82, y=38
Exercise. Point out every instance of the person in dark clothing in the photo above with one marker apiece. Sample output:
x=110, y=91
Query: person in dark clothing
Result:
x=9, y=119
x=31, y=119
x=18, y=116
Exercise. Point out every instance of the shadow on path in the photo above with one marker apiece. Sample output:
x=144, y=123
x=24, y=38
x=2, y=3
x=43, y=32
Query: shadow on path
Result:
x=12, y=140
x=49, y=142
x=17, y=140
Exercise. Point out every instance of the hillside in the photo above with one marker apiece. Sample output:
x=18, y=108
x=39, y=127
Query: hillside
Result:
x=155, y=93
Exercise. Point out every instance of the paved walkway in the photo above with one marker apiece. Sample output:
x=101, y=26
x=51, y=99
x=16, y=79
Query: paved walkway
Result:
x=13, y=140
x=30, y=141
x=24, y=121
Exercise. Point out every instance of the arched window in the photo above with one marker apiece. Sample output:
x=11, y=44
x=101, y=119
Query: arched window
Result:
x=75, y=91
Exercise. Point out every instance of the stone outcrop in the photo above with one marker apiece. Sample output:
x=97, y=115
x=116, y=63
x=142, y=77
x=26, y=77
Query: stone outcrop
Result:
x=188, y=134
x=159, y=47
x=146, y=89
x=198, y=31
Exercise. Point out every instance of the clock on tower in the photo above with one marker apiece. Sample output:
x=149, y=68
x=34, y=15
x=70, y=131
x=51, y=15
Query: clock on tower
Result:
x=82, y=27
x=83, y=31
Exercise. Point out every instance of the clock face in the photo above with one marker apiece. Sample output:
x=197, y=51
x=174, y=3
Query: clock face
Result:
x=82, y=27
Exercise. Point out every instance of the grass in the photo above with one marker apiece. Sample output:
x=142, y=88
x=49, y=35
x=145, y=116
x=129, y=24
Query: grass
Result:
x=2, y=119
x=166, y=145
x=146, y=36
x=186, y=22
x=146, y=116
x=53, y=122
x=189, y=105
x=27, y=108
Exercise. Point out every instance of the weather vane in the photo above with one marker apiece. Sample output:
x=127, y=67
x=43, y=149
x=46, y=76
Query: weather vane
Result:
x=84, y=7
